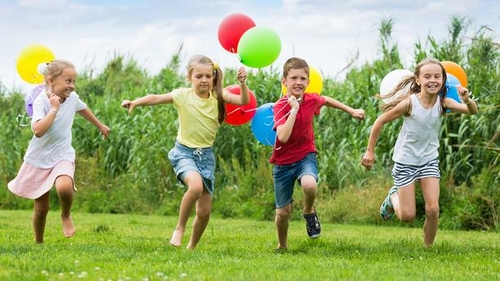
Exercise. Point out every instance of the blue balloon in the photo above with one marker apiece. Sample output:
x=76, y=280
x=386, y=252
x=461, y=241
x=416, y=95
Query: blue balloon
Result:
x=452, y=84
x=263, y=123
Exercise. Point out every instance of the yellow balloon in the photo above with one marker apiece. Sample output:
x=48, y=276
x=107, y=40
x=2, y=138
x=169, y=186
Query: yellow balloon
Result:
x=28, y=61
x=315, y=82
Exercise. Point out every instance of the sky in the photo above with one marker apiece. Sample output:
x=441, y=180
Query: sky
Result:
x=326, y=33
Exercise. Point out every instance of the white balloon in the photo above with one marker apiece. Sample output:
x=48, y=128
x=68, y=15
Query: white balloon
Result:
x=42, y=67
x=391, y=80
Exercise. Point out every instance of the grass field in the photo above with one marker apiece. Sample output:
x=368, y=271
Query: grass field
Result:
x=131, y=247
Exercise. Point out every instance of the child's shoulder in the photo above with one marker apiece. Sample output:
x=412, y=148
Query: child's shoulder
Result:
x=314, y=97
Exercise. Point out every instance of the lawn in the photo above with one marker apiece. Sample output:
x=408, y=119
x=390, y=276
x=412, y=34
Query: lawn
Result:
x=134, y=247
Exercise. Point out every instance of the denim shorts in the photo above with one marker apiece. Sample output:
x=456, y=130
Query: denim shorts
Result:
x=286, y=175
x=200, y=160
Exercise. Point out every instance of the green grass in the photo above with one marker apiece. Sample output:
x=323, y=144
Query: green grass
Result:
x=133, y=247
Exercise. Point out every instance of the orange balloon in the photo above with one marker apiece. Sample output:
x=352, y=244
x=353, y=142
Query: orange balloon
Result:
x=455, y=70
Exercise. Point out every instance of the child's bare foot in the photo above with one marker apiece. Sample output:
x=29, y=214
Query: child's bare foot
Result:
x=176, y=239
x=68, y=227
x=190, y=246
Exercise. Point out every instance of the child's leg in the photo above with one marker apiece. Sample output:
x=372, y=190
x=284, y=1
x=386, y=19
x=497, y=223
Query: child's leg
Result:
x=203, y=210
x=430, y=192
x=41, y=209
x=65, y=190
x=403, y=202
x=308, y=184
x=281, y=220
x=194, y=191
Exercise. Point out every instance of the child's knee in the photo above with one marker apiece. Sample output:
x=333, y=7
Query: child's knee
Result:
x=203, y=214
x=283, y=213
x=407, y=215
x=310, y=190
x=64, y=185
x=432, y=210
x=41, y=211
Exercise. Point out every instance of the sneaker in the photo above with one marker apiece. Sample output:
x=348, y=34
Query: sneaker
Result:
x=386, y=209
x=312, y=225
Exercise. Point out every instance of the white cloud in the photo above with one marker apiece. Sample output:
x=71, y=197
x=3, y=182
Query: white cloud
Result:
x=327, y=33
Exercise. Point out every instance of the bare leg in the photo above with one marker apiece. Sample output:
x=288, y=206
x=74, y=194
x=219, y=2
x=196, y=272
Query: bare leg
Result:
x=194, y=191
x=404, y=203
x=203, y=210
x=65, y=190
x=282, y=222
x=308, y=184
x=430, y=192
x=41, y=209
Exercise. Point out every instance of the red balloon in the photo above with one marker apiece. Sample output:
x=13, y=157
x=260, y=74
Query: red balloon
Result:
x=240, y=114
x=231, y=29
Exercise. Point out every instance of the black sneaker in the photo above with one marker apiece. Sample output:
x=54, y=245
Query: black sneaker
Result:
x=312, y=225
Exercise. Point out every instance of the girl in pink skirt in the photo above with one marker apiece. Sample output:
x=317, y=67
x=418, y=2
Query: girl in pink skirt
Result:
x=50, y=158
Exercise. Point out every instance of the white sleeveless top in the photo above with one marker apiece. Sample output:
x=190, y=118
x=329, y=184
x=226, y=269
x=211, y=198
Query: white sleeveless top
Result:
x=418, y=140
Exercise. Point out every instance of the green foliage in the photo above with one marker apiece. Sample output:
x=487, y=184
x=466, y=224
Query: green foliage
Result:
x=476, y=206
x=130, y=172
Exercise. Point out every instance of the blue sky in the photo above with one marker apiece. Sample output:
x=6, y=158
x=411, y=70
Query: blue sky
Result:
x=327, y=33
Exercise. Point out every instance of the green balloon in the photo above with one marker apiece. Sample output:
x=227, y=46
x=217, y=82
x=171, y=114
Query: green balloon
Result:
x=259, y=47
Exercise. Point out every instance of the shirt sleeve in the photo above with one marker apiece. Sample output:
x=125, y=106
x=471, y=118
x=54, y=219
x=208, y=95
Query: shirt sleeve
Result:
x=80, y=105
x=39, y=106
x=179, y=96
x=321, y=102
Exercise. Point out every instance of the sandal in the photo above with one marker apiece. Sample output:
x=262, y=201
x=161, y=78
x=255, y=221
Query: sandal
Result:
x=386, y=208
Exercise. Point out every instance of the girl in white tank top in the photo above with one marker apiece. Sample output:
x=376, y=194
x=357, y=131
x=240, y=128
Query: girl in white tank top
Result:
x=416, y=150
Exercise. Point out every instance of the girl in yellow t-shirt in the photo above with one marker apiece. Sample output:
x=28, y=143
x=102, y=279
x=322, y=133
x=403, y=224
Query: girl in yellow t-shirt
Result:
x=201, y=110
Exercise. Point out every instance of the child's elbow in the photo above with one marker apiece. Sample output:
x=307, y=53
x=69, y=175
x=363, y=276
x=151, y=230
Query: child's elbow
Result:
x=283, y=140
x=38, y=134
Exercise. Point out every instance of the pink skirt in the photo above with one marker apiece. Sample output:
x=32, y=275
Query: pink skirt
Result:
x=32, y=182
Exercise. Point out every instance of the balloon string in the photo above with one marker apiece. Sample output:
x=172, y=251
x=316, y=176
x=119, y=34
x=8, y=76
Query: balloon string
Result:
x=240, y=109
x=284, y=99
x=286, y=115
x=18, y=119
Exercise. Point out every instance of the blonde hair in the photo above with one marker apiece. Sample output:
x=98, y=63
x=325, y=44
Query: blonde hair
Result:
x=201, y=59
x=55, y=68
x=295, y=63
x=410, y=81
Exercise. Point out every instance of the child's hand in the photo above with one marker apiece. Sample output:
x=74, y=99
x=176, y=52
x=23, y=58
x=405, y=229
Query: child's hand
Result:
x=55, y=101
x=293, y=102
x=242, y=75
x=464, y=94
x=104, y=130
x=128, y=104
x=358, y=114
x=368, y=160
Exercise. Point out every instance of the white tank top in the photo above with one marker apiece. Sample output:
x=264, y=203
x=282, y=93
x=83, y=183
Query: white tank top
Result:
x=418, y=140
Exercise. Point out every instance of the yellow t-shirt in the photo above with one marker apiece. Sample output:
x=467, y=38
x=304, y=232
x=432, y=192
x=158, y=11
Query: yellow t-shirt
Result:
x=198, y=118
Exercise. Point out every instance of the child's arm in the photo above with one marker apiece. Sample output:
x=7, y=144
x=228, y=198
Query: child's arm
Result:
x=468, y=106
x=42, y=126
x=284, y=131
x=87, y=114
x=244, y=96
x=356, y=113
x=386, y=117
x=147, y=100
